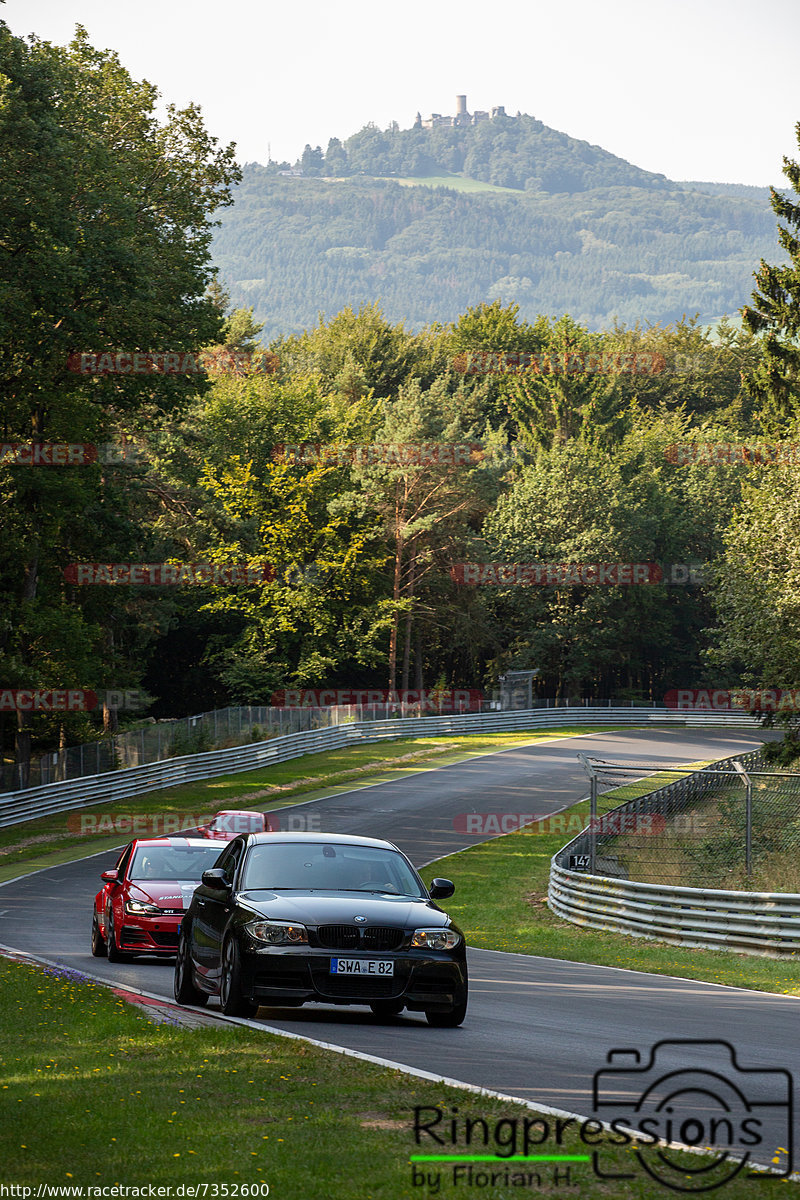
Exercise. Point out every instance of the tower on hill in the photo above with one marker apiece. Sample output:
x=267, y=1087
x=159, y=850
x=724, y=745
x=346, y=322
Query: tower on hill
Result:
x=462, y=117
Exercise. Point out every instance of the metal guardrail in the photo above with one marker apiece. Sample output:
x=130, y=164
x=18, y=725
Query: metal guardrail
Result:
x=766, y=923
x=761, y=923
x=16, y=807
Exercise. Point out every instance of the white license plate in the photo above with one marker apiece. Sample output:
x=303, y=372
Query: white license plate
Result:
x=362, y=966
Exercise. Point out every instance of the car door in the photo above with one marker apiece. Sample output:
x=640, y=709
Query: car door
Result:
x=212, y=910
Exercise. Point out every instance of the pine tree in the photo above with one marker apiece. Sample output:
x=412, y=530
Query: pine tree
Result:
x=776, y=311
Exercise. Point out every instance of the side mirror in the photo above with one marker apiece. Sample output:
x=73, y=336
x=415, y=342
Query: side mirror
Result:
x=440, y=889
x=214, y=878
x=109, y=876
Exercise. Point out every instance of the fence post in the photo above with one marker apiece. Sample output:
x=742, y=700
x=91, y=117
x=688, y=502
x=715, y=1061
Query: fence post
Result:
x=592, y=773
x=592, y=822
x=748, y=833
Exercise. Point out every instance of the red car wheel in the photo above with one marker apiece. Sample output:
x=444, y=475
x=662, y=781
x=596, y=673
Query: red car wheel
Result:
x=98, y=941
x=113, y=952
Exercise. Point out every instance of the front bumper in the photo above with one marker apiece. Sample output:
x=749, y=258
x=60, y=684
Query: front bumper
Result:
x=422, y=980
x=150, y=935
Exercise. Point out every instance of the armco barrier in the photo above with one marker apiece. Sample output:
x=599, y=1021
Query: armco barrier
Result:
x=766, y=923
x=134, y=781
x=763, y=923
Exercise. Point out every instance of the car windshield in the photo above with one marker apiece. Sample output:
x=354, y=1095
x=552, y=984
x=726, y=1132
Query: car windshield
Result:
x=322, y=867
x=172, y=862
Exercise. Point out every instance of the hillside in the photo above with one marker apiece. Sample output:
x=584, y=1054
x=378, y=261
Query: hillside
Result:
x=431, y=221
x=515, y=152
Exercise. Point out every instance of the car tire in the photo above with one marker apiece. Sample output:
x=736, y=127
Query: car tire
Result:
x=232, y=1002
x=98, y=941
x=387, y=1008
x=113, y=952
x=448, y=1020
x=184, y=989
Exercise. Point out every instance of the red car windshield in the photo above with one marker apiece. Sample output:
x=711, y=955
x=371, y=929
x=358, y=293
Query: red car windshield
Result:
x=172, y=862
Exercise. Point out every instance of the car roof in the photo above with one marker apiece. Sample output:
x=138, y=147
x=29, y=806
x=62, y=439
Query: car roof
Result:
x=181, y=842
x=321, y=839
x=239, y=812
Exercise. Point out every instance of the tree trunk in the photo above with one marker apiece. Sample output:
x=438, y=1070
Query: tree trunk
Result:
x=409, y=625
x=61, y=768
x=22, y=747
x=110, y=716
x=398, y=572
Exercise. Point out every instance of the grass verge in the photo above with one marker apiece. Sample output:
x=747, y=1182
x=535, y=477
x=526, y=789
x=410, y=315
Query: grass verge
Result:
x=500, y=903
x=459, y=183
x=58, y=838
x=96, y=1095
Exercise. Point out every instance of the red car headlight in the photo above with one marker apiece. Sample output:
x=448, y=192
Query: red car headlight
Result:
x=136, y=908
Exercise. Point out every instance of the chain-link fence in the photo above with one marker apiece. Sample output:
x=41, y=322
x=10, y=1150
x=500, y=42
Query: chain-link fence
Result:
x=154, y=741
x=158, y=740
x=734, y=824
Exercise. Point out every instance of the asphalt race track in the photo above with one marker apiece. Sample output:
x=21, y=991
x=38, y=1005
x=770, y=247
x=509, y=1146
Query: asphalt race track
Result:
x=536, y=1028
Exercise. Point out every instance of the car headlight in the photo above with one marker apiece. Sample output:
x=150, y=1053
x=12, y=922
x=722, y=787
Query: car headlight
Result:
x=277, y=933
x=137, y=909
x=435, y=939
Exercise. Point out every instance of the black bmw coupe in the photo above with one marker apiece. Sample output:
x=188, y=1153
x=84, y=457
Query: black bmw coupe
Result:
x=286, y=918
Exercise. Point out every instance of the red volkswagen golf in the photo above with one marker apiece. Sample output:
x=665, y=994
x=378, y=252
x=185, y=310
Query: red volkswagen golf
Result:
x=229, y=823
x=141, y=904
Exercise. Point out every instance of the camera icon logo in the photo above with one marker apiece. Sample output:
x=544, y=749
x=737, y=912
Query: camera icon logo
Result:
x=694, y=1094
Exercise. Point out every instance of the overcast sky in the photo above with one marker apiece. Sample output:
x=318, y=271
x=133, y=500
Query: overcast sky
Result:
x=696, y=89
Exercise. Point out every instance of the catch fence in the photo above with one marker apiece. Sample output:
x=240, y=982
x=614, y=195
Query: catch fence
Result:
x=155, y=741
x=677, y=862
x=63, y=795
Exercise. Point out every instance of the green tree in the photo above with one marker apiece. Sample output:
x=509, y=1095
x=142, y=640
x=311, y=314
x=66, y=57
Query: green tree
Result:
x=336, y=158
x=312, y=160
x=775, y=313
x=579, y=501
x=105, y=246
x=756, y=593
x=385, y=354
x=556, y=398
x=427, y=508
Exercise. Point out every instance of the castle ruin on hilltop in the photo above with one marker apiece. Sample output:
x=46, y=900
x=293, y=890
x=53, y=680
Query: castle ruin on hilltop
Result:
x=462, y=117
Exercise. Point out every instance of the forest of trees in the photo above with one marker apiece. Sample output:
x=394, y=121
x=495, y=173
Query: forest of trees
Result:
x=292, y=248
x=513, y=152
x=568, y=465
